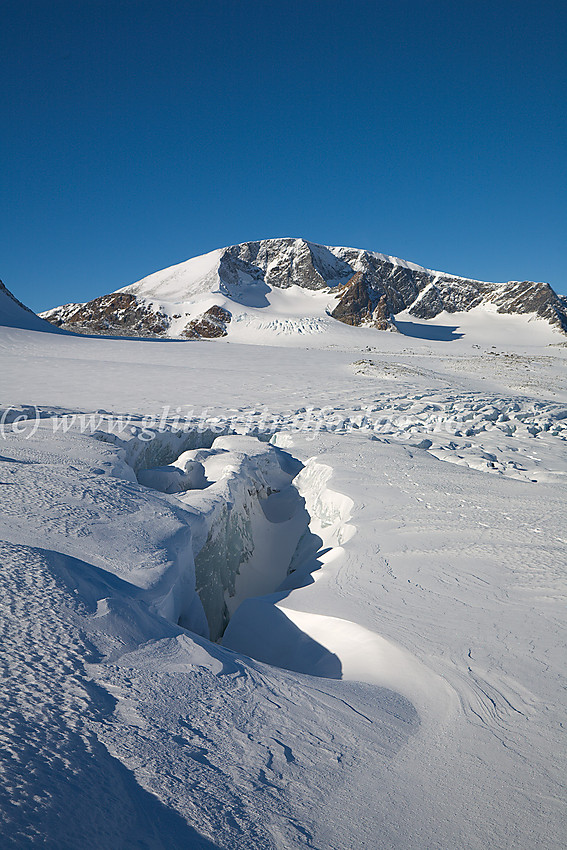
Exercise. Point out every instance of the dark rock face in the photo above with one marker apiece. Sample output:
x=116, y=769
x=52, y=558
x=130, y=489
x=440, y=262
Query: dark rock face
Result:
x=383, y=320
x=283, y=263
x=118, y=314
x=446, y=294
x=210, y=325
x=539, y=298
x=456, y=294
x=399, y=284
x=429, y=305
x=355, y=305
x=361, y=304
x=426, y=294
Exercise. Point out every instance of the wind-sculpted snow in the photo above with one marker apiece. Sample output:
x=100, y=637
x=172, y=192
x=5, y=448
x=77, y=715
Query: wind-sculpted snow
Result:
x=236, y=737
x=94, y=509
x=60, y=785
x=71, y=748
x=244, y=515
x=272, y=629
x=70, y=620
x=392, y=672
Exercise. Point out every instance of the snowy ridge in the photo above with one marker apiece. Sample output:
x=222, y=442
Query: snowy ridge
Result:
x=14, y=314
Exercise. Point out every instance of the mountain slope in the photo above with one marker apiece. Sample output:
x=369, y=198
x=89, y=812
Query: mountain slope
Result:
x=292, y=277
x=14, y=314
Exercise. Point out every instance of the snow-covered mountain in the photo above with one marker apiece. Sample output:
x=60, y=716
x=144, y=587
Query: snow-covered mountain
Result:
x=298, y=286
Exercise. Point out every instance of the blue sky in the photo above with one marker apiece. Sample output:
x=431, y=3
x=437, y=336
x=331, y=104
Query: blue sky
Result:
x=136, y=134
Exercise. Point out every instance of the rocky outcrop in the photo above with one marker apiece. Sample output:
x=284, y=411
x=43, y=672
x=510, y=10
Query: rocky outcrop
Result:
x=538, y=298
x=283, y=263
x=361, y=304
x=425, y=294
x=118, y=314
x=523, y=297
x=211, y=325
x=446, y=294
